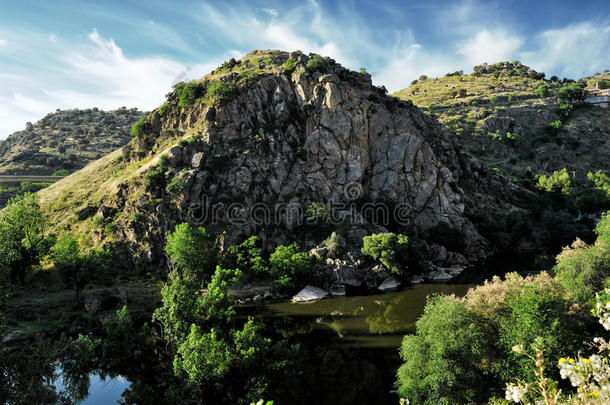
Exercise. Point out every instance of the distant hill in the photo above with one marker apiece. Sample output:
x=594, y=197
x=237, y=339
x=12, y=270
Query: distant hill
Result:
x=517, y=121
x=66, y=140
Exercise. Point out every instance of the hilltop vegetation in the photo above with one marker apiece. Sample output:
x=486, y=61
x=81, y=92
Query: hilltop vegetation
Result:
x=66, y=140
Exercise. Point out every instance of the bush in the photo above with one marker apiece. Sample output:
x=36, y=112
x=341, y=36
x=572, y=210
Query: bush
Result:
x=390, y=249
x=574, y=92
x=555, y=124
x=289, y=65
x=542, y=90
x=154, y=179
x=445, y=361
x=188, y=93
x=176, y=186
x=140, y=127
x=316, y=62
x=191, y=252
x=220, y=91
x=582, y=270
x=317, y=214
x=289, y=266
x=463, y=348
x=557, y=182
x=61, y=173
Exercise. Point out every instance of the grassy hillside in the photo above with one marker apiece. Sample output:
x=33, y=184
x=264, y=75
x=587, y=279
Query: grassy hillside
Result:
x=66, y=140
x=516, y=121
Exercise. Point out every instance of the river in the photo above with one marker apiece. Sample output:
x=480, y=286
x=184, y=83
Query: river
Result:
x=350, y=344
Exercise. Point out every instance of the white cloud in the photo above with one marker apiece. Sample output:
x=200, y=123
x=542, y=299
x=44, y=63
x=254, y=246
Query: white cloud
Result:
x=489, y=46
x=3, y=42
x=96, y=74
x=573, y=51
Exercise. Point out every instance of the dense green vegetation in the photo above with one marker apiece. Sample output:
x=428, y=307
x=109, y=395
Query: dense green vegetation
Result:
x=463, y=350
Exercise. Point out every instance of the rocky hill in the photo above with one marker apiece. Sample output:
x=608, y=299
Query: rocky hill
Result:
x=516, y=121
x=293, y=147
x=66, y=140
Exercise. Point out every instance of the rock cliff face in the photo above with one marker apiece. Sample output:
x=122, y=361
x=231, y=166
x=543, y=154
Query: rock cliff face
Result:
x=287, y=147
x=289, y=139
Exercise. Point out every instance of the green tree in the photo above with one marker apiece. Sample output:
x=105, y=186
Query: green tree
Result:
x=558, y=182
x=289, y=266
x=389, y=249
x=191, y=252
x=23, y=234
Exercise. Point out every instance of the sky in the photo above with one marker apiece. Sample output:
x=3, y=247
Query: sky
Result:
x=107, y=54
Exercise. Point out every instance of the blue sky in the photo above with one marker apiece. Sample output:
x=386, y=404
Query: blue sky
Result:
x=68, y=53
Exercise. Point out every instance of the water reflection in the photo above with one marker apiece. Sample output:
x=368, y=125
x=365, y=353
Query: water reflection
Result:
x=374, y=320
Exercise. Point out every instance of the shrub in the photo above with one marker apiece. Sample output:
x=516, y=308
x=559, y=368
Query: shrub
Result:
x=555, y=124
x=493, y=99
x=247, y=259
x=289, y=266
x=582, y=270
x=316, y=62
x=140, y=127
x=289, y=65
x=61, y=173
x=445, y=361
x=390, y=249
x=154, y=179
x=574, y=92
x=542, y=90
x=317, y=213
x=557, y=182
x=601, y=181
x=176, y=186
x=191, y=252
x=188, y=93
x=218, y=90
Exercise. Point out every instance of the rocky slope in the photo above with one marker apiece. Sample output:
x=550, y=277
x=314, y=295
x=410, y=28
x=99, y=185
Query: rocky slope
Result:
x=66, y=140
x=502, y=115
x=247, y=149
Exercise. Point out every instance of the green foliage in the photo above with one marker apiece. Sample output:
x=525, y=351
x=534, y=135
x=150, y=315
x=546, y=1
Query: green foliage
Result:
x=555, y=124
x=462, y=349
x=191, y=252
x=510, y=98
x=582, y=270
x=493, y=99
x=289, y=65
x=62, y=172
x=362, y=71
x=247, y=259
x=23, y=234
x=154, y=179
x=389, y=249
x=289, y=266
x=176, y=186
x=28, y=187
x=75, y=269
x=445, y=361
x=140, y=127
x=162, y=109
x=542, y=90
x=557, y=182
x=188, y=93
x=316, y=62
x=572, y=92
x=317, y=214
x=601, y=181
x=220, y=91
x=602, y=230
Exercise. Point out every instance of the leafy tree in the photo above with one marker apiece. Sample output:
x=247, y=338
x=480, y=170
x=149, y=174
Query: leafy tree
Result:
x=601, y=181
x=446, y=360
x=542, y=90
x=557, y=182
x=289, y=266
x=574, y=92
x=191, y=252
x=76, y=269
x=389, y=249
x=23, y=234
x=247, y=259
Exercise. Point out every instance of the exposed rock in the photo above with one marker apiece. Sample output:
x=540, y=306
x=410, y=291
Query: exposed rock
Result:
x=175, y=156
x=197, y=160
x=388, y=284
x=310, y=293
x=86, y=212
x=337, y=290
x=105, y=299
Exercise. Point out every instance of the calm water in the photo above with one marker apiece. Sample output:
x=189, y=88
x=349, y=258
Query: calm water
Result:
x=350, y=344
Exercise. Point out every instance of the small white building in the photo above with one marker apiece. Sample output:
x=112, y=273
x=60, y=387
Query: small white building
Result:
x=597, y=96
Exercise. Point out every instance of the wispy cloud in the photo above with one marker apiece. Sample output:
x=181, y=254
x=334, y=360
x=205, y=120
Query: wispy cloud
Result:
x=41, y=72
